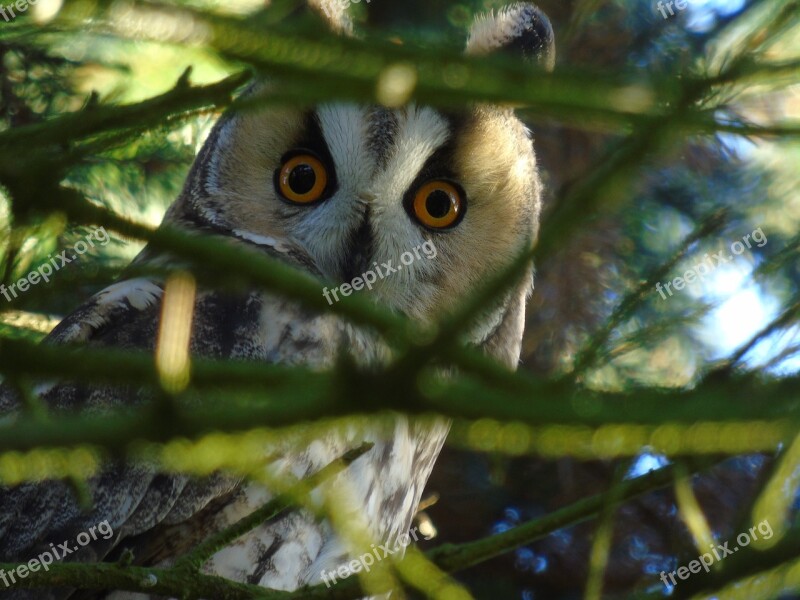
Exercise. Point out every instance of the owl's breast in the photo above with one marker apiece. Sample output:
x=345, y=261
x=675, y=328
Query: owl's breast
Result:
x=378, y=493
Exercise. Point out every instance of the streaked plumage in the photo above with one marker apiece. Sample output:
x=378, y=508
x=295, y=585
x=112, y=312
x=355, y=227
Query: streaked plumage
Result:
x=377, y=158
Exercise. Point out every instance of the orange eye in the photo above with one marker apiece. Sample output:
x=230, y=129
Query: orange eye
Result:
x=302, y=179
x=439, y=204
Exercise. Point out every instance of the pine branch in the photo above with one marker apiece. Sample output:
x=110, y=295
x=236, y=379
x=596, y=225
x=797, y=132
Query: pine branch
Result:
x=95, y=120
x=587, y=356
x=184, y=579
x=166, y=582
x=342, y=68
x=308, y=396
x=451, y=558
x=456, y=557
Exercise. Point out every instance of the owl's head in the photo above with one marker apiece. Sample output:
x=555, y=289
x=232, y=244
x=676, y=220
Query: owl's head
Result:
x=446, y=198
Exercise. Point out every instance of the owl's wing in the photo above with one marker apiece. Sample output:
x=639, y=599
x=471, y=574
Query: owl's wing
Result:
x=135, y=498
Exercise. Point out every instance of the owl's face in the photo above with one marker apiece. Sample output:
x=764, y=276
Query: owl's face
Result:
x=355, y=187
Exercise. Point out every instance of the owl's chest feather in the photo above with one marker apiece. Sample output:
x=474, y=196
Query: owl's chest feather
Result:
x=380, y=491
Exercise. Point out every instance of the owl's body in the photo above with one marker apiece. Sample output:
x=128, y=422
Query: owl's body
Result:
x=161, y=516
x=331, y=190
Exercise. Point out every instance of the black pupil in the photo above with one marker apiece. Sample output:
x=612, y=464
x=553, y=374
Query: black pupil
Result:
x=438, y=204
x=302, y=179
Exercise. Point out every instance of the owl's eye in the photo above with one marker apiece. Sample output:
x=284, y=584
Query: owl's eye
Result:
x=302, y=178
x=439, y=204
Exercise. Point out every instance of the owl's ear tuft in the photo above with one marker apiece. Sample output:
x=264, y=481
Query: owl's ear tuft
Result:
x=520, y=29
x=335, y=14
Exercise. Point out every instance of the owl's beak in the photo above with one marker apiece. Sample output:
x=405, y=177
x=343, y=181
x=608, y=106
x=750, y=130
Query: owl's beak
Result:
x=366, y=197
x=359, y=255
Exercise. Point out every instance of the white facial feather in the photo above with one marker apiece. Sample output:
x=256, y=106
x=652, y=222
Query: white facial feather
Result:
x=324, y=232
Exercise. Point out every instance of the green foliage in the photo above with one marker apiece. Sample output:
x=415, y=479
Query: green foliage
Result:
x=101, y=119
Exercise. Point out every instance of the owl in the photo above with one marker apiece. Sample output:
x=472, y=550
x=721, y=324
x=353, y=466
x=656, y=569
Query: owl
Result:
x=338, y=191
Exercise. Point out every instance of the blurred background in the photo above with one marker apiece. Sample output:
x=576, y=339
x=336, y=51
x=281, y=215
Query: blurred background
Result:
x=697, y=198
